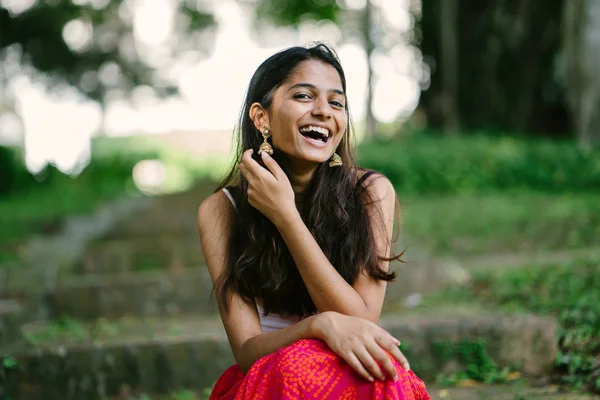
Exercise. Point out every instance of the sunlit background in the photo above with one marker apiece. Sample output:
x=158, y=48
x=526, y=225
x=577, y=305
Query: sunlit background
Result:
x=56, y=127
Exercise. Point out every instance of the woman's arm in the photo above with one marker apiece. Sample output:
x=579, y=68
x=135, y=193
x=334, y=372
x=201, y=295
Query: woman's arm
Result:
x=270, y=193
x=241, y=321
x=327, y=288
x=358, y=342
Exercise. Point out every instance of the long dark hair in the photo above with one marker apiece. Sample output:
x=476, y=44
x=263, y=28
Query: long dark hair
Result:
x=337, y=211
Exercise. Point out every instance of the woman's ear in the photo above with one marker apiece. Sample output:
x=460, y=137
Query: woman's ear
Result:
x=259, y=116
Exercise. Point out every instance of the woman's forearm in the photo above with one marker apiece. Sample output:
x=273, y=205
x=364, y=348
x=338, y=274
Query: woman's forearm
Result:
x=261, y=345
x=327, y=288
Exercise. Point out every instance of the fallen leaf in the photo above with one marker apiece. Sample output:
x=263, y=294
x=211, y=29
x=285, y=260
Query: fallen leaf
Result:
x=513, y=375
x=467, y=383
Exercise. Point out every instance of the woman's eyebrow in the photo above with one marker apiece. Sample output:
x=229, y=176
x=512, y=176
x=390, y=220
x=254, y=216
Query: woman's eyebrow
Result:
x=311, y=86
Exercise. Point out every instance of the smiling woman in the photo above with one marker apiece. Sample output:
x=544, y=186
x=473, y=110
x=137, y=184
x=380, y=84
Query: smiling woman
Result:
x=298, y=245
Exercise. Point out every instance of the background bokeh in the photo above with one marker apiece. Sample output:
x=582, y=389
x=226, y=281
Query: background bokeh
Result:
x=116, y=120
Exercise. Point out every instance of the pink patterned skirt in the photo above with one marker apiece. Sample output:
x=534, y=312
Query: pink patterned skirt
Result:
x=308, y=369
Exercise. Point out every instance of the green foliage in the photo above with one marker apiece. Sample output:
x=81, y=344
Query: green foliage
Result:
x=421, y=163
x=473, y=357
x=12, y=171
x=477, y=224
x=569, y=292
x=9, y=363
x=182, y=395
x=38, y=204
x=62, y=329
x=293, y=12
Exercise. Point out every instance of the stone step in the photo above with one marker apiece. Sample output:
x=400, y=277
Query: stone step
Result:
x=140, y=254
x=173, y=214
x=137, y=294
x=147, y=293
x=110, y=288
x=92, y=360
x=168, y=292
x=11, y=318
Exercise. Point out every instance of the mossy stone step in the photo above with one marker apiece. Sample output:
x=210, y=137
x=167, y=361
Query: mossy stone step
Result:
x=135, y=254
x=135, y=294
x=173, y=214
x=166, y=292
x=160, y=355
x=11, y=317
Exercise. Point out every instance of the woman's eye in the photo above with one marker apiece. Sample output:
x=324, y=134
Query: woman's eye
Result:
x=337, y=104
x=302, y=96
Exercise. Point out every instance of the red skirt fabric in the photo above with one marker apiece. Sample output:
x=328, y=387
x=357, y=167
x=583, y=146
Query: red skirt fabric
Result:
x=308, y=369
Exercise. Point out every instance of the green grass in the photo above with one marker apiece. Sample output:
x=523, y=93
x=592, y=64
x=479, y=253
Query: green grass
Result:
x=27, y=213
x=477, y=364
x=467, y=225
x=570, y=292
x=67, y=331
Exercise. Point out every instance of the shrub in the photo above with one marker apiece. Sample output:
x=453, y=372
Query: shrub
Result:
x=569, y=292
x=426, y=163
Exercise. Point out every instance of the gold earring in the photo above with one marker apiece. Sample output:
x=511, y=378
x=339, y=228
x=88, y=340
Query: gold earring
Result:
x=265, y=146
x=335, y=161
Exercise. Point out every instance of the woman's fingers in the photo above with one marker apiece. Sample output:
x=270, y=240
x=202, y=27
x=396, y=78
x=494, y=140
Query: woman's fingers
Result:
x=273, y=166
x=248, y=164
x=355, y=363
x=378, y=353
x=391, y=345
x=369, y=363
x=247, y=156
x=255, y=168
x=246, y=173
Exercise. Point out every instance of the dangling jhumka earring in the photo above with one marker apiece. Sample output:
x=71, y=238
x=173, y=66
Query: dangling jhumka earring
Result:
x=265, y=146
x=335, y=161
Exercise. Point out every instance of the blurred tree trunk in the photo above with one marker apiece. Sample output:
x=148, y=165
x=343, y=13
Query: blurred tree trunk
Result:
x=505, y=63
x=581, y=45
x=449, y=60
x=370, y=122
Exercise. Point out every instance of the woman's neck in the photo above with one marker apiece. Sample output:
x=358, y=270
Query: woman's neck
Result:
x=300, y=178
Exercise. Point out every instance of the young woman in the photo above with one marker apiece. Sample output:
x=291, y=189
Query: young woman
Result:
x=297, y=241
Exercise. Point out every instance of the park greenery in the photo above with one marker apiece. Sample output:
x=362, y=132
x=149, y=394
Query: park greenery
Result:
x=500, y=159
x=461, y=196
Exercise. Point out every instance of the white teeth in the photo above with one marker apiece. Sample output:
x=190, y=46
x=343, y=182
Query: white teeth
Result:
x=322, y=131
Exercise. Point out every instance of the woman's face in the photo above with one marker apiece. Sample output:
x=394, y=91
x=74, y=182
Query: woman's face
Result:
x=307, y=116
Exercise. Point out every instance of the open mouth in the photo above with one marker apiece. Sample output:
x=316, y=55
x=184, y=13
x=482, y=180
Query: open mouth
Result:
x=315, y=133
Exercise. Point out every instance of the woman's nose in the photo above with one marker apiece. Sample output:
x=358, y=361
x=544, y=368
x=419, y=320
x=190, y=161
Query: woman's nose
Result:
x=321, y=108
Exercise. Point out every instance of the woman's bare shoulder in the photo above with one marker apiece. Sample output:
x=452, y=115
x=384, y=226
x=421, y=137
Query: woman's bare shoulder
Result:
x=215, y=211
x=376, y=183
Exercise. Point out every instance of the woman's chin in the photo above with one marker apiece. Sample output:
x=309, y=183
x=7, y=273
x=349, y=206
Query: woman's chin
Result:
x=313, y=158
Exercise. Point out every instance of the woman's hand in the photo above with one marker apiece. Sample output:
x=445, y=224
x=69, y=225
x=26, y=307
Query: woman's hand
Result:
x=362, y=344
x=269, y=192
